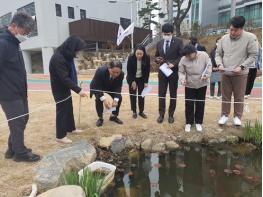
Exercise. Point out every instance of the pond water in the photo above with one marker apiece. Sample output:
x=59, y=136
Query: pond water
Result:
x=193, y=171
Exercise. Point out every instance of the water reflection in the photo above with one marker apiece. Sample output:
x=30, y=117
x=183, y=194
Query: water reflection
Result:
x=193, y=171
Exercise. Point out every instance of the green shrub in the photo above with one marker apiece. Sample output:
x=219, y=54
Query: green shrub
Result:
x=90, y=182
x=253, y=133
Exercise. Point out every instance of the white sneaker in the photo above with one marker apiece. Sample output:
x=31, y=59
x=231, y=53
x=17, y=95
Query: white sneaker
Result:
x=218, y=97
x=237, y=121
x=199, y=127
x=64, y=140
x=211, y=97
x=223, y=120
x=187, y=128
x=246, y=96
x=77, y=131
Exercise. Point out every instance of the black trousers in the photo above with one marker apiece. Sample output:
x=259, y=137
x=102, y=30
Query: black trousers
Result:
x=64, y=118
x=252, y=74
x=194, y=110
x=99, y=107
x=139, y=89
x=17, y=126
x=212, y=89
x=164, y=81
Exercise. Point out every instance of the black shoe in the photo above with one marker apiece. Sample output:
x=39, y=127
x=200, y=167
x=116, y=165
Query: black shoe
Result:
x=99, y=122
x=116, y=119
x=9, y=154
x=143, y=115
x=160, y=119
x=134, y=115
x=171, y=119
x=28, y=157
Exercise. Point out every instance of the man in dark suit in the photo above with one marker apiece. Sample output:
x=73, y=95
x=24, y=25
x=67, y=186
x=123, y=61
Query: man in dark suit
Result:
x=168, y=51
x=108, y=79
x=198, y=46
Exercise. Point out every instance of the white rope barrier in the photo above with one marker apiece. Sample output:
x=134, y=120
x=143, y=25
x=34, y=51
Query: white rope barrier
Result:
x=123, y=93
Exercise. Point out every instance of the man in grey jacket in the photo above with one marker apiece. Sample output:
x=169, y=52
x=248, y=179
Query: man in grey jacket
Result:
x=236, y=51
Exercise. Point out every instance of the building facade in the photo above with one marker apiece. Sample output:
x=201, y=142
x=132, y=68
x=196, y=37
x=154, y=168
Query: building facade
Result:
x=250, y=9
x=216, y=12
x=53, y=18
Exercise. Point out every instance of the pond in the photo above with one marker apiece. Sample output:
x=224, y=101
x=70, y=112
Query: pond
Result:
x=193, y=171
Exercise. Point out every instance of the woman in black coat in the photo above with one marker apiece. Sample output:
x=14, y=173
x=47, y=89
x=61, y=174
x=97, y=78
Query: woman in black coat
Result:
x=63, y=77
x=138, y=70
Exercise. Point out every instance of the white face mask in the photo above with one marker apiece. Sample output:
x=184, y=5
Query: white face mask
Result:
x=167, y=38
x=21, y=38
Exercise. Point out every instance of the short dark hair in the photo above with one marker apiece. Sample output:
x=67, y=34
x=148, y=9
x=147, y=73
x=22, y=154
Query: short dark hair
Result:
x=238, y=21
x=193, y=40
x=189, y=49
x=115, y=64
x=23, y=20
x=167, y=28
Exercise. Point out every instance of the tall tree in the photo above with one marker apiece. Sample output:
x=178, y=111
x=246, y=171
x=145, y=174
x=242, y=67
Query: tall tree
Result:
x=180, y=14
x=147, y=14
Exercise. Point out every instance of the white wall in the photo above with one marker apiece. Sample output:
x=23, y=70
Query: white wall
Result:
x=53, y=30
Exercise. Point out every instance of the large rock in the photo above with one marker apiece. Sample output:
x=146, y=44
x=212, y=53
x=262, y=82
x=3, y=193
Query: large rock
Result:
x=160, y=147
x=129, y=144
x=105, y=142
x=147, y=145
x=52, y=166
x=117, y=145
x=65, y=191
x=232, y=139
x=191, y=138
x=171, y=145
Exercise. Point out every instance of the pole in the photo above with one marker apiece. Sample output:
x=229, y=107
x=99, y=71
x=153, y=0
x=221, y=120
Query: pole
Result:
x=132, y=37
x=233, y=8
x=170, y=11
x=80, y=85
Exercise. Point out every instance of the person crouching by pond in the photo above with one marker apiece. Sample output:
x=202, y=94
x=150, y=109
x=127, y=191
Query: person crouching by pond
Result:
x=63, y=77
x=195, y=69
x=108, y=79
x=138, y=71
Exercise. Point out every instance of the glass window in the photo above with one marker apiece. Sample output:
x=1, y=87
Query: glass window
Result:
x=71, y=12
x=224, y=18
x=82, y=14
x=29, y=9
x=58, y=10
x=5, y=20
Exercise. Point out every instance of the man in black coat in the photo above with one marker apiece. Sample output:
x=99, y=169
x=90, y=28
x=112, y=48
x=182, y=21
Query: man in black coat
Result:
x=108, y=79
x=13, y=86
x=168, y=51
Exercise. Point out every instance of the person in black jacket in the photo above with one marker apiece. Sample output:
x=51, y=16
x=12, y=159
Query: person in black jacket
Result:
x=198, y=46
x=216, y=75
x=108, y=79
x=168, y=51
x=13, y=86
x=138, y=71
x=63, y=77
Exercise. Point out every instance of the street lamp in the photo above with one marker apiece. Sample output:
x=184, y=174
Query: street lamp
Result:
x=130, y=2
